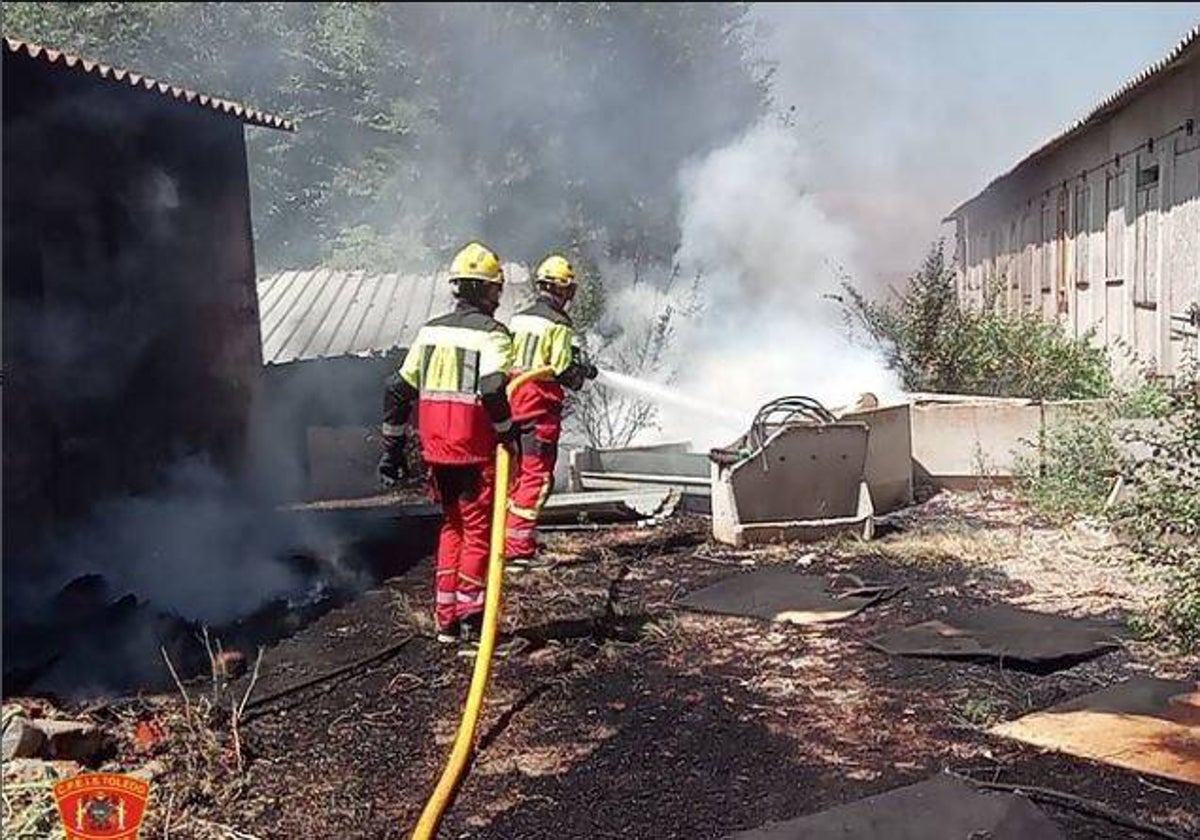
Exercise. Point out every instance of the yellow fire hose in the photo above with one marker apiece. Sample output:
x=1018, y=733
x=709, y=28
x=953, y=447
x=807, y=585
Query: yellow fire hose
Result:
x=464, y=741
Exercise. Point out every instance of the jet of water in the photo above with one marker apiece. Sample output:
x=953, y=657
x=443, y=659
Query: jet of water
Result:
x=665, y=395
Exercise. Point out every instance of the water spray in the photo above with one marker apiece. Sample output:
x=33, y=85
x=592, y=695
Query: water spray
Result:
x=664, y=395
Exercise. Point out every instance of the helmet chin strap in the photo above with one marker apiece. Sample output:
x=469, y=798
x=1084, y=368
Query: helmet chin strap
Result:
x=559, y=298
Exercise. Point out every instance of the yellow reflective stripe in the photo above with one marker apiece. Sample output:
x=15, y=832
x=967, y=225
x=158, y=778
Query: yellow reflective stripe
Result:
x=529, y=514
x=525, y=346
x=469, y=579
x=410, y=369
x=440, y=369
x=534, y=512
x=545, y=494
x=456, y=358
x=540, y=342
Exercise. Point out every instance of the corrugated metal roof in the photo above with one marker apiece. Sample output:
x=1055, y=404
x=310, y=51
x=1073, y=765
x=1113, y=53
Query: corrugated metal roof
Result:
x=59, y=59
x=1113, y=102
x=325, y=313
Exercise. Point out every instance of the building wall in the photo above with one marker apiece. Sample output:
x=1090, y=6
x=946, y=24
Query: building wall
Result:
x=130, y=315
x=1103, y=234
x=316, y=409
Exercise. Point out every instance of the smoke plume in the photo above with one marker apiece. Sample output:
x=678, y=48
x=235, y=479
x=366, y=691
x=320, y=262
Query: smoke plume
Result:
x=757, y=258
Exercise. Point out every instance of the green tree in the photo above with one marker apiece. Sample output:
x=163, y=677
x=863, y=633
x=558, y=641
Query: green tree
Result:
x=425, y=124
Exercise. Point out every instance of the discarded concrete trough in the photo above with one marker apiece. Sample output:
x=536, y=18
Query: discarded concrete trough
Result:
x=802, y=483
x=802, y=473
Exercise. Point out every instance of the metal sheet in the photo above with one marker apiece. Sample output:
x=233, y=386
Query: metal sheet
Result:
x=66, y=62
x=941, y=808
x=326, y=313
x=1145, y=725
x=560, y=509
x=1005, y=633
x=780, y=594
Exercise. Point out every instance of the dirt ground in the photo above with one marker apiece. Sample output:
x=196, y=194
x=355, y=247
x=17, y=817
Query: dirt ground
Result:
x=626, y=718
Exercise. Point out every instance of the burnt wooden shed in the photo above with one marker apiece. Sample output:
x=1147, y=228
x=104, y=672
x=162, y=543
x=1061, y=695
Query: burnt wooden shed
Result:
x=130, y=316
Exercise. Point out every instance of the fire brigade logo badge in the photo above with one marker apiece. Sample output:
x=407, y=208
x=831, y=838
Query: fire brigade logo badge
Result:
x=102, y=806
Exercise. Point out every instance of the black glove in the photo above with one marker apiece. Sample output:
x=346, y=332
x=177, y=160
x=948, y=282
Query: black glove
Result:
x=579, y=372
x=391, y=467
x=510, y=439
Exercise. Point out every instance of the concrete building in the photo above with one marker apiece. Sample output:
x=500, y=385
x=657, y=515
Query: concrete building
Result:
x=1099, y=227
x=130, y=315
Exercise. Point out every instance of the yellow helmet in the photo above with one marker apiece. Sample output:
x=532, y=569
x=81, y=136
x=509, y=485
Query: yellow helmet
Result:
x=477, y=262
x=556, y=271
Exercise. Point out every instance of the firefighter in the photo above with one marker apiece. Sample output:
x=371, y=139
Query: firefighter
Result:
x=455, y=373
x=543, y=336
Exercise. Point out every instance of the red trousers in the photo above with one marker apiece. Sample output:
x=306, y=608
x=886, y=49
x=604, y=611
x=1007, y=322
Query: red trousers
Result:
x=465, y=494
x=531, y=484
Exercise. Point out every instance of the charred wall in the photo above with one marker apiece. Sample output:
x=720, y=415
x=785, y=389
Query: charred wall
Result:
x=130, y=315
x=308, y=400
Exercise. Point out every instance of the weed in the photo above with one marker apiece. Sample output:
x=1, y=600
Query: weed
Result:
x=1073, y=467
x=981, y=711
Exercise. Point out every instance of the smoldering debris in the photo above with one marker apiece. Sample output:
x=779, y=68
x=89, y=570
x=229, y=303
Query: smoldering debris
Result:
x=142, y=572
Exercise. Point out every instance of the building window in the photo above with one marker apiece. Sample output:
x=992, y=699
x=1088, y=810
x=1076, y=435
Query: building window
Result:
x=1045, y=240
x=1081, y=232
x=1114, y=225
x=1145, y=230
x=1028, y=248
x=1060, y=264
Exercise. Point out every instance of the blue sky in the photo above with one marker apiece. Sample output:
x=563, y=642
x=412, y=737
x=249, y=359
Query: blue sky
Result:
x=911, y=108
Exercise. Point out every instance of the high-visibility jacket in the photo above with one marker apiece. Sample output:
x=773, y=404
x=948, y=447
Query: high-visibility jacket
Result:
x=543, y=336
x=456, y=372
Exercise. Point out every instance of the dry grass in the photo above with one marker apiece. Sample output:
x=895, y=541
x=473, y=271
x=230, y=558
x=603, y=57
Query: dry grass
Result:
x=1078, y=569
x=30, y=812
x=411, y=615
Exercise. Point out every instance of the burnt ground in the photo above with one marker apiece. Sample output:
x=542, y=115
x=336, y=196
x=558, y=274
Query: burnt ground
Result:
x=626, y=718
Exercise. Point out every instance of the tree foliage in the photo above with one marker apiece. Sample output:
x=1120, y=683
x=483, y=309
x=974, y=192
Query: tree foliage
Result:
x=424, y=124
x=937, y=344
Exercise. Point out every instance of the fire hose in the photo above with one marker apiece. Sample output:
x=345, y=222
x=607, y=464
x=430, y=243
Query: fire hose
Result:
x=464, y=740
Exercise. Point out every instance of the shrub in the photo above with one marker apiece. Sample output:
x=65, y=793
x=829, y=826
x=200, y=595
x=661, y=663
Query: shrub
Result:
x=1160, y=517
x=936, y=344
x=1073, y=468
x=1162, y=513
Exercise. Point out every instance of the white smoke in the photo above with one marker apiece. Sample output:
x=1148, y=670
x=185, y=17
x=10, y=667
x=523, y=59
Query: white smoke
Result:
x=766, y=254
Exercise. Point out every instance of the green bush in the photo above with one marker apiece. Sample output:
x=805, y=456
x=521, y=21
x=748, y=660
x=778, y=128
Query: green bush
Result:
x=1150, y=398
x=1162, y=512
x=1076, y=462
x=1073, y=468
x=936, y=344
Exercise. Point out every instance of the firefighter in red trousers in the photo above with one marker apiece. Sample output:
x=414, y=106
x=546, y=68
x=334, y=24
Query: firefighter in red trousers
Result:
x=455, y=373
x=543, y=336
